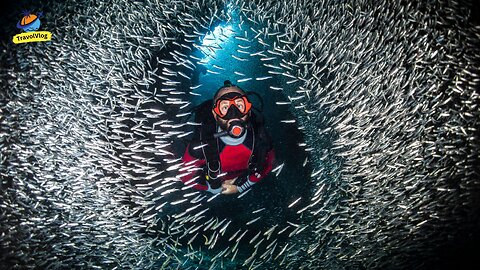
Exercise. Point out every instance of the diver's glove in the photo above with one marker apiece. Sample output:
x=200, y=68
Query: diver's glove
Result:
x=245, y=183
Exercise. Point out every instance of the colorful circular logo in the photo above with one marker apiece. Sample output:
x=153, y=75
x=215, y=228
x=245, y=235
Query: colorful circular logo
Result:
x=29, y=22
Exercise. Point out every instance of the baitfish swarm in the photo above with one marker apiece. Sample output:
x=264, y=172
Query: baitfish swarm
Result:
x=386, y=96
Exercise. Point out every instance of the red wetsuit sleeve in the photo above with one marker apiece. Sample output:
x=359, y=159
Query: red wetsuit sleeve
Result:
x=269, y=160
x=192, y=168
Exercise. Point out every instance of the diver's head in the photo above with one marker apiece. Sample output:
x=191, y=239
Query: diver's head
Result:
x=231, y=109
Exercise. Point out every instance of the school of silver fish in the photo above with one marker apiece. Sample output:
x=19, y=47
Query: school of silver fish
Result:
x=386, y=94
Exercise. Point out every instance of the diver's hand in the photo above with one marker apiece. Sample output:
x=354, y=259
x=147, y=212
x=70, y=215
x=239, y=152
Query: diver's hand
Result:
x=230, y=181
x=229, y=189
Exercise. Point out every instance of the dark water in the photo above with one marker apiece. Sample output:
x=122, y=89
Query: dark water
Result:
x=273, y=194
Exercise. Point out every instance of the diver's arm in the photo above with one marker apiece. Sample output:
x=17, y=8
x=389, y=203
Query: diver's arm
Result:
x=257, y=176
x=193, y=170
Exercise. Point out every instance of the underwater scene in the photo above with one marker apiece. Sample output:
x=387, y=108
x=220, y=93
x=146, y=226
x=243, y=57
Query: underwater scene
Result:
x=233, y=134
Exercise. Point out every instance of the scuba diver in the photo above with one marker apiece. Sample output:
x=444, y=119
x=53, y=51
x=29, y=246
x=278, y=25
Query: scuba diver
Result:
x=230, y=151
